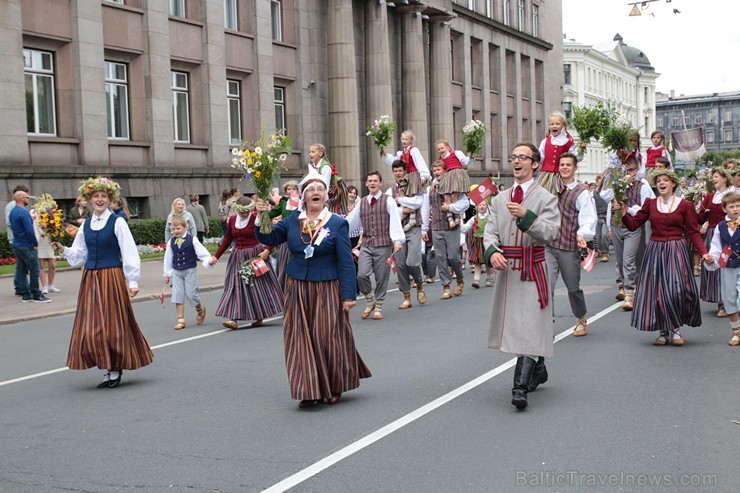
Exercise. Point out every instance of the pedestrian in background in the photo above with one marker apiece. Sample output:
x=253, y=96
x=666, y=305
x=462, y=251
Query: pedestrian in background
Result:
x=178, y=209
x=120, y=209
x=25, y=249
x=9, y=229
x=223, y=210
x=79, y=212
x=105, y=332
x=47, y=256
x=198, y=212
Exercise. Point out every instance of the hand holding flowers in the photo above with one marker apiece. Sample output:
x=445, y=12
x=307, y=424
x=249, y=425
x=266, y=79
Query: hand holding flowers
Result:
x=381, y=132
x=473, y=135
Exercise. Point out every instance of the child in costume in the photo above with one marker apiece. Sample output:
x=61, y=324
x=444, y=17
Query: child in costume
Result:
x=556, y=142
x=417, y=171
x=337, y=201
x=658, y=150
x=476, y=251
x=455, y=180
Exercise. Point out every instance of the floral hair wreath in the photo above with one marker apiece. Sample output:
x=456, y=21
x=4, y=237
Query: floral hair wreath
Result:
x=243, y=208
x=100, y=184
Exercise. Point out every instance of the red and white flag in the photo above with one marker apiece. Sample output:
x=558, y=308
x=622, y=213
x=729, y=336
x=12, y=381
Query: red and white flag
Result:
x=589, y=261
x=392, y=263
x=484, y=190
x=161, y=296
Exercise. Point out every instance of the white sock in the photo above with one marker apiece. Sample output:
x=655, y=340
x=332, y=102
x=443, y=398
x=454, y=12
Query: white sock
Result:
x=114, y=375
x=106, y=377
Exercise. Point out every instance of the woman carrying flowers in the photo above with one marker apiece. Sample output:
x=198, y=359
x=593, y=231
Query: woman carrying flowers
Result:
x=49, y=225
x=105, y=332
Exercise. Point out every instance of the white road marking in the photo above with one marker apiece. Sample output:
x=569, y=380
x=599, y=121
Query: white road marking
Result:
x=396, y=425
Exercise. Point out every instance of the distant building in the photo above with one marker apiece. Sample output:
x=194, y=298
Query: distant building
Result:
x=718, y=114
x=617, y=75
x=155, y=93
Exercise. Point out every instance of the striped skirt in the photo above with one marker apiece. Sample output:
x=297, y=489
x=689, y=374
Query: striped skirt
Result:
x=709, y=283
x=476, y=252
x=454, y=181
x=414, y=186
x=259, y=300
x=320, y=352
x=338, y=200
x=666, y=295
x=283, y=257
x=105, y=333
x=550, y=182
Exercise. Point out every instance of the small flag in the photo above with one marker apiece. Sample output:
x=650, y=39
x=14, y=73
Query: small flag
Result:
x=161, y=296
x=483, y=191
x=589, y=261
x=392, y=262
x=724, y=257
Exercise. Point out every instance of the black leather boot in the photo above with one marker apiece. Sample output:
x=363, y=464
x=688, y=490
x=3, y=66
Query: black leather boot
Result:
x=522, y=378
x=540, y=374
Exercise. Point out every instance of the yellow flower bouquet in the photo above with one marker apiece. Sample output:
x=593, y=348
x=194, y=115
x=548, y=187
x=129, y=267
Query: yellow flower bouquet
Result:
x=261, y=163
x=50, y=218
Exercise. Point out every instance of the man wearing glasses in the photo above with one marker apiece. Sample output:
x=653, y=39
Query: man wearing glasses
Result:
x=523, y=221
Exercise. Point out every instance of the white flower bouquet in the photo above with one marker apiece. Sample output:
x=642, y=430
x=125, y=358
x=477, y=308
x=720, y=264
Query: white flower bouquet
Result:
x=381, y=132
x=473, y=134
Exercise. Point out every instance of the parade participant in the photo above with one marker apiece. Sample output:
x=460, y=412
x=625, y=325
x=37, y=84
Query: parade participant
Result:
x=711, y=212
x=522, y=222
x=658, y=150
x=320, y=353
x=408, y=258
x=178, y=209
x=632, y=150
x=736, y=180
x=667, y=297
x=577, y=226
x=354, y=200
x=725, y=239
x=318, y=161
x=200, y=217
x=417, y=171
x=180, y=261
x=25, y=247
x=446, y=240
x=601, y=239
x=627, y=242
x=288, y=203
x=556, y=142
x=455, y=180
x=382, y=237
x=476, y=225
x=105, y=332
x=260, y=299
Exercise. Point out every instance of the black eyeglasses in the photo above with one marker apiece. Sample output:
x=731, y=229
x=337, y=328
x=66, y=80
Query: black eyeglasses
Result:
x=519, y=157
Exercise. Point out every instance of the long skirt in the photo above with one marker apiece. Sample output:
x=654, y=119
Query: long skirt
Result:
x=414, y=186
x=709, y=282
x=284, y=257
x=105, y=333
x=320, y=353
x=550, y=181
x=338, y=199
x=454, y=181
x=261, y=299
x=476, y=253
x=666, y=294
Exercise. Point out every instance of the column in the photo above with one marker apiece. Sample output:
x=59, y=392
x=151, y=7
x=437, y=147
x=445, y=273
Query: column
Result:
x=13, y=132
x=263, y=68
x=378, y=92
x=344, y=148
x=214, y=85
x=441, y=123
x=413, y=78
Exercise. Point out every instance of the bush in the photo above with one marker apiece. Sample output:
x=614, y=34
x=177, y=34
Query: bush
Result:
x=6, y=251
x=147, y=231
x=214, y=225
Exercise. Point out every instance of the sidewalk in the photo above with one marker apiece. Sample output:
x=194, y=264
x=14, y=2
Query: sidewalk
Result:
x=68, y=281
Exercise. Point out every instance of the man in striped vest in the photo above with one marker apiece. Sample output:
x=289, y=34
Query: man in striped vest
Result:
x=408, y=258
x=626, y=242
x=577, y=226
x=382, y=237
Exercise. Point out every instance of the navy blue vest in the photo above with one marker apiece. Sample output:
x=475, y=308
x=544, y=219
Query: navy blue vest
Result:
x=183, y=256
x=733, y=241
x=102, y=246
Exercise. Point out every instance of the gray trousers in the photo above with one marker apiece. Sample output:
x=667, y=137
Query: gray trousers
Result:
x=627, y=250
x=447, y=251
x=408, y=260
x=601, y=240
x=569, y=265
x=374, y=260
x=185, y=287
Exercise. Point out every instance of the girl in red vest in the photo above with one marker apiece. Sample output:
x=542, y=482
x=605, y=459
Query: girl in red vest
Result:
x=455, y=180
x=657, y=150
x=556, y=142
x=417, y=171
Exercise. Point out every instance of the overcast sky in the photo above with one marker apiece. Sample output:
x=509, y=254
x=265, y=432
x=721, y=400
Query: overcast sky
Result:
x=695, y=51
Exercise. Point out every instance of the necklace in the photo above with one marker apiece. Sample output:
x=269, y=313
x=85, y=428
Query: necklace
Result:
x=665, y=203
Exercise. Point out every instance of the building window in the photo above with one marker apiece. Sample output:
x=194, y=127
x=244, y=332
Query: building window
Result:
x=40, y=113
x=177, y=8
x=489, y=8
x=697, y=119
x=233, y=95
x=116, y=100
x=710, y=136
x=674, y=120
x=520, y=11
x=728, y=116
x=471, y=5
x=535, y=21
x=646, y=96
x=567, y=73
x=280, y=108
x=659, y=122
x=506, y=7
x=230, y=15
x=277, y=20
x=728, y=135
x=181, y=106
x=685, y=119
x=117, y=1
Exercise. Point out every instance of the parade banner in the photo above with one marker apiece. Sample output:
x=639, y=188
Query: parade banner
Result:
x=689, y=144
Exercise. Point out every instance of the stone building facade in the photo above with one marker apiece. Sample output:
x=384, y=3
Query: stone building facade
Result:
x=155, y=93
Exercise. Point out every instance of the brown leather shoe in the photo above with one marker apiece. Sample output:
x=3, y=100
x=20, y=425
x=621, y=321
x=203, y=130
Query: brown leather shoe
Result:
x=421, y=295
x=620, y=293
x=660, y=341
x=677, y=341
x=734, y=340
x=367, y=311
x=378, y=315
x=581, y=329
x=446, y=294
x=333, y=399
x=180, y=324
x=406, y=301
x=458, y=287
x=231, y=324
x=605, y=257
x=201, y=315
x=629, y=301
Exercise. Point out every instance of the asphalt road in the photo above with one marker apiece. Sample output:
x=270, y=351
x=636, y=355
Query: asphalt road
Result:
x=214, y=414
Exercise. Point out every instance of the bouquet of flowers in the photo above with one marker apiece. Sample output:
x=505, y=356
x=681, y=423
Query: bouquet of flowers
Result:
x=261, y=163
x=615, y=137
x=704, y=179
x=382, y=132
x=590, y=123
x=694, y=192
x=616, y=179
x=473, y=134
x=246, y=271
x=50, y=218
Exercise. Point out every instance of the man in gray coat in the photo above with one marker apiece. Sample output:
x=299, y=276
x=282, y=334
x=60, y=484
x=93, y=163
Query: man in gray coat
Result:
x=523, y=221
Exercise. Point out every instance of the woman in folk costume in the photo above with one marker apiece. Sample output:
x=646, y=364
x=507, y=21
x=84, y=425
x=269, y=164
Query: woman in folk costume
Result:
x=711, y=213
x=666, y=294
x=337, y=200
x=556, y=142
x=288, y=203
x=260, y=299
x=417, y=171
x=105, y=333
x=455, y=180
x=476, y=252
x=320, y=354
x=522, y=222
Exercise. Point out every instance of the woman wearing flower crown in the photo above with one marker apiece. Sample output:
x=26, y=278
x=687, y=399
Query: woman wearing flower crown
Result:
x=320, y=353
x=260, y=299
x=318, y=162
x=105, y=332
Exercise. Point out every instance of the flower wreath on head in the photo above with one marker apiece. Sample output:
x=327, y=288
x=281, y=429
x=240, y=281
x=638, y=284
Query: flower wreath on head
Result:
x=243, y=208
x=100, y=184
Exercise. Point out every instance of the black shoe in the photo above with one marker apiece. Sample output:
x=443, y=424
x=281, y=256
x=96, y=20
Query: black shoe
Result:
x=112, y=384
x=539, y=376
x=522, y=379
x=104, y=383
x=18, y=293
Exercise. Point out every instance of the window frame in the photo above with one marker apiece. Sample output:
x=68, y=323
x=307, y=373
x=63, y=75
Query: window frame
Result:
x=535, y=21
x=235, y=96
x=176, y=91
x=35, y=73
x=710, y=137
x=280, y=108
x=111, y=81
x=506, y=12
x=231, y=12
x=176, y=8
x=568, y=73
x=521, y=15
x=276, y=16
x=727, y=135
